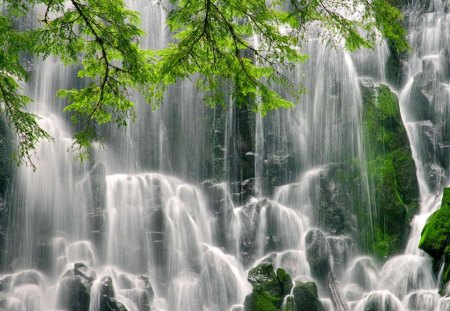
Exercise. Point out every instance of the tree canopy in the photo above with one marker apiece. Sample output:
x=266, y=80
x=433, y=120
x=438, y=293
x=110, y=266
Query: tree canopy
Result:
x=249, y=43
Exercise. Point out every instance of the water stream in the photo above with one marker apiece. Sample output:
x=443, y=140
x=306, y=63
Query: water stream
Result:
x=178, y=207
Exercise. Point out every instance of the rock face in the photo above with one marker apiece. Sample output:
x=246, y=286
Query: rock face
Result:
x=318, y=254
x=269, y=288
x=332, y=197
x=391, y=171
x=372, y=198
x=306, y=297
x=435, y=238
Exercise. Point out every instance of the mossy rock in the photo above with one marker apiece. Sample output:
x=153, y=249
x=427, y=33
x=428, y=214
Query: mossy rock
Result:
x=391, y=172
x=306, y=297
x=435, y=239
x=260, y=300
x=269, y=288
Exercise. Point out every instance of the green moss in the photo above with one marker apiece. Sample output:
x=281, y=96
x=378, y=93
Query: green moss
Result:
x=391, y=172
x=435, y=239
x=383, y=245
x=306, y=297
x=436, y=233
x=269, y=288
x=265, y=302
x=387, y=102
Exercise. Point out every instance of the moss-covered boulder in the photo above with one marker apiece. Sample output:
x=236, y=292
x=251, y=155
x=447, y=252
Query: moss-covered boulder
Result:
x=391, y=172
x=435, y=238
x=269, y=288
x=306, y=297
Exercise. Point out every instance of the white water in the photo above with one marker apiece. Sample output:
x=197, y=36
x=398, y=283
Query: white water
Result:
x=143, y=209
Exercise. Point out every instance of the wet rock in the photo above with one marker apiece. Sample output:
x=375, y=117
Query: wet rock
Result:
x=269, y=288
x=222, y=209
x=353, y=292
x=44, y=258
x=289, y=303
x=250, y=217
x=306, y=297
x=435, y=236
x=391, y=175
x=332, y=196
x=294, y=262
x=340, y=249
x=28, y=277
x=159, y=246
x=139, y=297
x=5, y=283
x=422, y=300
x=446, y=291
x=275, y=227
x=364, y=273
x=74, y=289
x=318, y=254
x=107, y=297
x=73, y=294
x=380, y=301
x=147, y=286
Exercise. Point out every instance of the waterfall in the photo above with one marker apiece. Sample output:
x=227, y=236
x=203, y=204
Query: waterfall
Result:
x=177, y=207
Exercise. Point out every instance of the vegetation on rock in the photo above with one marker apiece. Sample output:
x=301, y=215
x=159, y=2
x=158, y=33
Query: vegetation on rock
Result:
x=269, y=288
x=390, y=168
x=435, y=239
x=385, y=204
x=306, y=297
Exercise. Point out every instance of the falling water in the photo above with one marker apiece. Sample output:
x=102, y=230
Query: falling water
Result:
x=178, y=207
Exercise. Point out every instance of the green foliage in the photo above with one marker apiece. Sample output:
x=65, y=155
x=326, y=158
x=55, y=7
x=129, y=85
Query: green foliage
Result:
x=243, y=47
x=12, y=74
x=106, y=34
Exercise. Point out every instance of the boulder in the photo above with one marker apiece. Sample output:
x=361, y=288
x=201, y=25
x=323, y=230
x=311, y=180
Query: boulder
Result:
x=74, y=289
x=318, y=254
x=380, y=301
x=306, y=297
x=269, y=288
x=435, y=239
x=107, y=297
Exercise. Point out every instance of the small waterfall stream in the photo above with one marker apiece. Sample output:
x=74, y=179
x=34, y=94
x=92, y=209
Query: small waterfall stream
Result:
x=178, y=207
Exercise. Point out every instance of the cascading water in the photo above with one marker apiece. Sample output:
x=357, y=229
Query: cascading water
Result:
x=180, y=204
